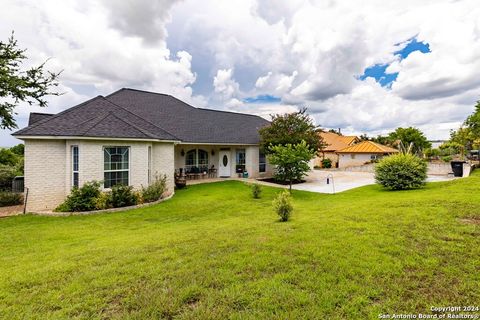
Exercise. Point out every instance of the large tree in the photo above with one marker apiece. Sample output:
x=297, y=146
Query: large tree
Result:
x=410, y=136
x=291, y=128
x=18, y=85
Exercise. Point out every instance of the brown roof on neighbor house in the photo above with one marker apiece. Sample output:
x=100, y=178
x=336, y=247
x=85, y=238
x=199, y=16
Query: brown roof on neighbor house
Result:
x=368, y=147
x=336, y=142
x=130, y=113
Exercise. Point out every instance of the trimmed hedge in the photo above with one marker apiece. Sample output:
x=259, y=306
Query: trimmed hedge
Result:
x=401, y=172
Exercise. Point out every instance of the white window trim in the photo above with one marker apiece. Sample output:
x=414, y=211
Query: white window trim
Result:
x=149, y=170
x=122, y=170
x=73, y=166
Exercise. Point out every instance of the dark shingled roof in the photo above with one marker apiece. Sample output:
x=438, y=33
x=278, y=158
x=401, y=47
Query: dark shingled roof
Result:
x=37, y=116
x=130, y=113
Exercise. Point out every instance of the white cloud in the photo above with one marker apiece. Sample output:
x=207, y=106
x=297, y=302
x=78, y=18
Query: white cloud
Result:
x=308, y=52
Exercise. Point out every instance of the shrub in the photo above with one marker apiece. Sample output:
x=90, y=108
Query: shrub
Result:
x=401, y=172
x=123, y=196
x=283, y=205
x=10, y=198
x=326, y=163
x=256, y=191
x=155, y=190
x=81, y=199
x=447, y=158
x=103, y=201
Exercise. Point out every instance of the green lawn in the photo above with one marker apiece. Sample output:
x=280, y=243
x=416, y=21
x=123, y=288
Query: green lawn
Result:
x=213, y=252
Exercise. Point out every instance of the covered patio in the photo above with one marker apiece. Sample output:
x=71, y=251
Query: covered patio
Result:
x=196, y=162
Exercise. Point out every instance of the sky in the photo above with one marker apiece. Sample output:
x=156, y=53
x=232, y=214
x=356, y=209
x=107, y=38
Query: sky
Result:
x=362, y=66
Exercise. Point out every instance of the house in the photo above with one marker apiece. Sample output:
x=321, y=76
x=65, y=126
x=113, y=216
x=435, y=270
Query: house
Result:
x=333, y=143
x=362, y=153
x=129, y=137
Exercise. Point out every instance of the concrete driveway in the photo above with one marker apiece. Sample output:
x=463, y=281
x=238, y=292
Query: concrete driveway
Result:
x=316, y=181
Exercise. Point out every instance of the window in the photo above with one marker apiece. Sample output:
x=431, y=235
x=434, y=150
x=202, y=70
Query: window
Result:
x=75, y=166
x=262, y=163
x=116, y=166
x=149, y=170
x=202, y=158
x=352, y=156
x=196, y=159
x=240, y=157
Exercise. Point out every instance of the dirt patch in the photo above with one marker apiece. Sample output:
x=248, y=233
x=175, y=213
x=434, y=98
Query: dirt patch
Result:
x=11, y=210
x=471, y=220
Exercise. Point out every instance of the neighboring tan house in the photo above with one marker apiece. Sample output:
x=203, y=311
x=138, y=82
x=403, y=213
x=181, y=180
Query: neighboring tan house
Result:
x=362, y=153
x=333, y=143
x=129, y=137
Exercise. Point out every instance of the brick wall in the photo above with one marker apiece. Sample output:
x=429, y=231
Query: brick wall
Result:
x=48, y=167
x=45, y=171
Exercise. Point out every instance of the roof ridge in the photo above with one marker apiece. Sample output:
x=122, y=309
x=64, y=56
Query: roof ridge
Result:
x=142, y=118
x=239, y=113
x=124, y=121
x=54, y=116
x=145, y=132
x=138, y=90
x=44, y=113
x=95, y=123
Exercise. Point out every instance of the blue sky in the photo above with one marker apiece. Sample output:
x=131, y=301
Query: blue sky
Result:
x=378, y=71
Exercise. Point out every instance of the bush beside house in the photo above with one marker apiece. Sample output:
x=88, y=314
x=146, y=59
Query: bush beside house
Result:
x=90, y=197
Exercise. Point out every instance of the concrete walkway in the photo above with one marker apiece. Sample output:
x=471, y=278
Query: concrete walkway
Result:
x=316, y=181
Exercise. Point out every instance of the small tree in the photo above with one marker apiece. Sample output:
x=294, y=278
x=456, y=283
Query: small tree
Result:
x=256, y=191
x=291, y=161
x=282, y=205
x=30, y=86
x=291, y=128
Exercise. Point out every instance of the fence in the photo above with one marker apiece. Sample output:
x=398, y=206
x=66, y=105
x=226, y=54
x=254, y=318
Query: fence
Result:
x=16, y=185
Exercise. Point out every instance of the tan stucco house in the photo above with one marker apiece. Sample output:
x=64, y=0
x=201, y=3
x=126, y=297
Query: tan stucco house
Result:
x=333, y=143
x=129, y=137
x=363, y=153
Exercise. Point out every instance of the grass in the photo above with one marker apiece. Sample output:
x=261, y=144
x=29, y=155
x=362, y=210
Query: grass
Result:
x=214, y=252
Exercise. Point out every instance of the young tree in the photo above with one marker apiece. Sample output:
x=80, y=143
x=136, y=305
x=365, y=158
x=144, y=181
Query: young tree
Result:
x=16, y=85
x=408, y=136
x=291, y=161
x=291, y=128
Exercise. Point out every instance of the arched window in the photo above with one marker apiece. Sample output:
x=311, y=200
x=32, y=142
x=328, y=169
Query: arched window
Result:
x=202, y=158
x=196, y=158
x=191, y=158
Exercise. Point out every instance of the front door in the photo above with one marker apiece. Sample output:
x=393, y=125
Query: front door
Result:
x=224, y=165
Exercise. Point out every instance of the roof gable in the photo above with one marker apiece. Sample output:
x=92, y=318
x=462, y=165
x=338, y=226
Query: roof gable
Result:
x=87, y=118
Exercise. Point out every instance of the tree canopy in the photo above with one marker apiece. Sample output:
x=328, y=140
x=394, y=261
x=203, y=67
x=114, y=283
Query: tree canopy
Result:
x=409, y=136
x=291, y=161
x=291, y=128
x=17, y=85
x=473, y=121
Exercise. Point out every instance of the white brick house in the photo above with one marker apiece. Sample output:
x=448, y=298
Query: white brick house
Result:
x=130, y=137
